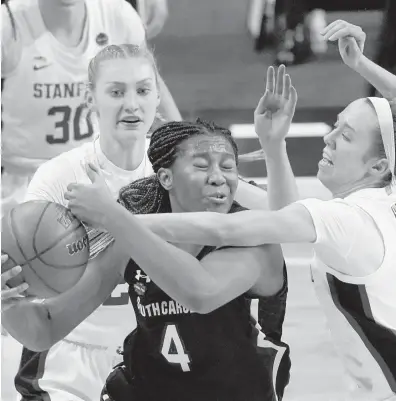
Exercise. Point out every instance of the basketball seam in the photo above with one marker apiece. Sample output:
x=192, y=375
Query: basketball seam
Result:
x=59, y=239
x=14, y=232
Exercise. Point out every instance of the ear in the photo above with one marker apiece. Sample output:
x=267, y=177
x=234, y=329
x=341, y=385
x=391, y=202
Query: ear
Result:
x=89, y=100
x=165, y=177
x=380, y=167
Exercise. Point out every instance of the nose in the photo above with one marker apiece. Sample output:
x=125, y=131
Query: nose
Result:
x=216, y=176
x=131, y=103
x=330, y=139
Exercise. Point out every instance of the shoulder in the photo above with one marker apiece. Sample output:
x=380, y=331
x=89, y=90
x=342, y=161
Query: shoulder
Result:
x=124, y=19
x=18, y=29
x=52, y=178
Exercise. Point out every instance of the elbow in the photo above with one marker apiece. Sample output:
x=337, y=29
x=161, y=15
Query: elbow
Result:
x=201, y=302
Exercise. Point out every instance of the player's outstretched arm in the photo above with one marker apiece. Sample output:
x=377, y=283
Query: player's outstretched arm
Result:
x=272, y=119
x=201, y=286
x=247, y=228
x=351, y=40
x=39, y=324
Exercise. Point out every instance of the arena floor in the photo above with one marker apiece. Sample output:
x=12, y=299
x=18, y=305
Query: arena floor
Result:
x=218, y=76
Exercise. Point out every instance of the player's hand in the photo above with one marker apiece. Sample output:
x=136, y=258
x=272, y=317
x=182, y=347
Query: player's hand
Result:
x=156, y=14
x=10, y=296
x=275, y=110
x=350, y=38
x=90, y=202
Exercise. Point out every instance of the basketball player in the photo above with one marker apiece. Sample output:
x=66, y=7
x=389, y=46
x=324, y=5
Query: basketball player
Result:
x=354, y=235
x=76, y=367
x=195, y=335
x=46, y=47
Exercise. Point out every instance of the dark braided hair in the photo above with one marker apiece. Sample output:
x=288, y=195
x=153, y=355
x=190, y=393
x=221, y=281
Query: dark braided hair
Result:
x=147, y=195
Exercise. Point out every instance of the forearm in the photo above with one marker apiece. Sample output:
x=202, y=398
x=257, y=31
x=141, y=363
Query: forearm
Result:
x=247, y=228
x=168, y=108
x=40, y=324
x=206, y=228
x=381, y=79
x=175, y=271
x=282, y=187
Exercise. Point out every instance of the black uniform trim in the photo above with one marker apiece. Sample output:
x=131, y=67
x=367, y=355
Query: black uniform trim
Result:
x=31, y=369
x=352, y=301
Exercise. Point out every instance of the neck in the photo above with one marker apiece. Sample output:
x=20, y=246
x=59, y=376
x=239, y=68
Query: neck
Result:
x=125, y=156
x=64, y=19
x=344, y=192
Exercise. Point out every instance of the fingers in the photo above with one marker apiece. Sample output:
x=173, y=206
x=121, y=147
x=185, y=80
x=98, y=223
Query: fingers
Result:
x=261, y=107
x=270, y=86
x=13, y=292
x=331, y=26
x=72, y=186
x=280, y=80
x=287, y=86
x=340, y=29
x=291, y=104
x=9, y=274
x=92, y=172
x=4, y=258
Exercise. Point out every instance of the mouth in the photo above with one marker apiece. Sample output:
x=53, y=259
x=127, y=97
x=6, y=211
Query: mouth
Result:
x=325, y=161
x=130, y=121
x=218, y=198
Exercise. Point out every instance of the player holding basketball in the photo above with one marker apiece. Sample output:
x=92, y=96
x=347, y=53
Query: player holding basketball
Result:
x=46, y=46
x=75, y=368
x=354, y=235
x=195, y=335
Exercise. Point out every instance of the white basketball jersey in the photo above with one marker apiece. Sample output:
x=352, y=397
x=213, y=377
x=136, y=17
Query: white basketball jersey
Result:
x=361, y=311
x=43, y=95
x=114, y=320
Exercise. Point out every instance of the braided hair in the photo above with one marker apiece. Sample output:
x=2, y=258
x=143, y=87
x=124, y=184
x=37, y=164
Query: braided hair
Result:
x=147, y=195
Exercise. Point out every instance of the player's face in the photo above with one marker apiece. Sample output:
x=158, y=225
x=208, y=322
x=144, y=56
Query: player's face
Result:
x=345, y=163
x=126, y=98
x=204, y=175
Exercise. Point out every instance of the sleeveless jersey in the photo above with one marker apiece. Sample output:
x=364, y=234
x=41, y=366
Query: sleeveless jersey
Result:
x=44, y=111
x=361, y=311
x=176, y=354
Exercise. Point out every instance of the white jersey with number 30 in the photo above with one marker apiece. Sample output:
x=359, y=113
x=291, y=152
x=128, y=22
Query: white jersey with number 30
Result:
x=43, y=94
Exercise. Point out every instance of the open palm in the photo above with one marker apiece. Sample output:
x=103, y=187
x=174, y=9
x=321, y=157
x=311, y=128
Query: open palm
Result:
x=275, y=110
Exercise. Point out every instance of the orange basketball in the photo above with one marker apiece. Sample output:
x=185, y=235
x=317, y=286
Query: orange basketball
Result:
x=49, y=243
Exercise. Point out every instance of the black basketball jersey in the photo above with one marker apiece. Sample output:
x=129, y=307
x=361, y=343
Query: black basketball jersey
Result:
x=176, y=354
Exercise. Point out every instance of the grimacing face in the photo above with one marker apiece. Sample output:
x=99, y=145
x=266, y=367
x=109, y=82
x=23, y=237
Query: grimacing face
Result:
x=125, y=98
x=345, y=163
x=204, y=176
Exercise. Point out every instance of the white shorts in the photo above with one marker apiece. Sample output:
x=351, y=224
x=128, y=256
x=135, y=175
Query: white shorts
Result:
x=11, y=351
x=69, y=372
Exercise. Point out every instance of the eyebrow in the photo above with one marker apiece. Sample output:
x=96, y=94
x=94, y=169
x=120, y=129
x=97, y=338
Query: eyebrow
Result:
x=204, y=154
x=123, y=83
x=345, y=122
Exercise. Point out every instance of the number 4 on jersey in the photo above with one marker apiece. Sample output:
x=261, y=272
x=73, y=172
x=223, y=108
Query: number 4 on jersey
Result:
x=172, y=348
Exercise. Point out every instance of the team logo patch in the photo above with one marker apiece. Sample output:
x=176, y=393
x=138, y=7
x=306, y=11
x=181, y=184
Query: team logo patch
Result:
x=140, y=289
x=102, y=39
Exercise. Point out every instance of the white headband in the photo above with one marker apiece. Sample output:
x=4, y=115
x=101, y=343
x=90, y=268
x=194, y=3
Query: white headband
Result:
x=385, y=119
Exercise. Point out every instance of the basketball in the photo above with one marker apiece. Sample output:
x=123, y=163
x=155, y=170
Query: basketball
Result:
x=49, y=243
